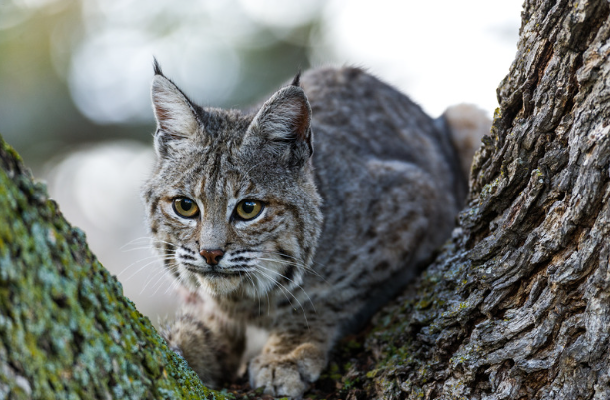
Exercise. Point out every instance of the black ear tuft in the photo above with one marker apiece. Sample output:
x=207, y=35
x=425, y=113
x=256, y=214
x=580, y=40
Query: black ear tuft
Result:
x=157, y=67
x=297, y=79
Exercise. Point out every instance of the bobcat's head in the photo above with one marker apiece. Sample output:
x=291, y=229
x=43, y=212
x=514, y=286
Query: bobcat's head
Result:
x=231, y=203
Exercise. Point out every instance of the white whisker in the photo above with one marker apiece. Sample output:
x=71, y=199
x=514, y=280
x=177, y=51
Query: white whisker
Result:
x=176, y=282
x=157, y=285
x=284, y=290
x=299, y=263
x=155, y=259
x=285, y=277
x=160, y=272
x=139, y=248
x=256, y=292
x=149, y=239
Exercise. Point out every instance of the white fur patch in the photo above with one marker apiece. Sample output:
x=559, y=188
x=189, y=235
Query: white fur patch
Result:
x=468, y=125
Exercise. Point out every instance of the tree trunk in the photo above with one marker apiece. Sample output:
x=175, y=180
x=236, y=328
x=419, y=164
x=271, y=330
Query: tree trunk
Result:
x=516, y=306
x=66, y=331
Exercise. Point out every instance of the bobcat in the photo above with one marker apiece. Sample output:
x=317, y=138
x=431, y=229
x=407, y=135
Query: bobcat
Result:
x=301, y=217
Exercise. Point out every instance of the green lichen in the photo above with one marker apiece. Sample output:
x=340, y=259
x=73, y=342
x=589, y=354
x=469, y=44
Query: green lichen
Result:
x=497, y=113
x=425, y=309
x=349, y=383
x=66, y=330
x=372, y=374
x=333, y=372
x=489, y=189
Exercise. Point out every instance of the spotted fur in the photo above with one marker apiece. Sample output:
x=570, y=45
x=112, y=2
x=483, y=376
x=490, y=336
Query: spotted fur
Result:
x=347, y=217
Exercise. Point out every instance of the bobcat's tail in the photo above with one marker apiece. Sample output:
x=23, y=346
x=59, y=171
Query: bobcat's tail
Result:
x=467, y=124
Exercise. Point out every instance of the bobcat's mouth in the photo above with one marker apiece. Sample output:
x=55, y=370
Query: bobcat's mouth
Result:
x=221, y=273
x=215, y=272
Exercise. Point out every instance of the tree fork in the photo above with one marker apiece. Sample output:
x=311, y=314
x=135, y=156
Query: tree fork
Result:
x=515, y=307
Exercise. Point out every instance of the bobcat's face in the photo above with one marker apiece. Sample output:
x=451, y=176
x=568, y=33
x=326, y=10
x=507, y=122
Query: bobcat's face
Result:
x=225, y=229
x=232, y=210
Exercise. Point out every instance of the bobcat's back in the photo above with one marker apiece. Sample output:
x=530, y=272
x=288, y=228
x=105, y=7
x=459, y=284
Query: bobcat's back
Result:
x=391, y=185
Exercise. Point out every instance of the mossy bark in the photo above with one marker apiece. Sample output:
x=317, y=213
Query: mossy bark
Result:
x=66, y=331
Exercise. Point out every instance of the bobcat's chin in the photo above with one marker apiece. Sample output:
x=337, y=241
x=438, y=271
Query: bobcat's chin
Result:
x=219, y=283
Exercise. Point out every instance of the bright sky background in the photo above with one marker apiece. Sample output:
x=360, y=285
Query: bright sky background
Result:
x=440, y=52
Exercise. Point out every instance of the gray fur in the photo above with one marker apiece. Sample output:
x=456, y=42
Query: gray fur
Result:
x=377, y=197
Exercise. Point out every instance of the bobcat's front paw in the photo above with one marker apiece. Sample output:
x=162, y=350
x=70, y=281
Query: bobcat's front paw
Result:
x=287, y=374
x=188, y=338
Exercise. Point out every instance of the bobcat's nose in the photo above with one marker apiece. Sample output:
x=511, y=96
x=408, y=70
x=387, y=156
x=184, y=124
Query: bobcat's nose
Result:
x=212, y=257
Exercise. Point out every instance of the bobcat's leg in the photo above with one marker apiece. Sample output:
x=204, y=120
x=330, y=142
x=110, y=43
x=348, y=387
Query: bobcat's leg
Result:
x=211, y=343
x=294, y=356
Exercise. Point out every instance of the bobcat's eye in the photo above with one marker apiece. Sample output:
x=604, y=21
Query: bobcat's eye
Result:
x=249, y=209
x=185, y=208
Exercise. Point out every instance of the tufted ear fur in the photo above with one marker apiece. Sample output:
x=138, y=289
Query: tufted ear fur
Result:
x=282, y=125
x=175, y=113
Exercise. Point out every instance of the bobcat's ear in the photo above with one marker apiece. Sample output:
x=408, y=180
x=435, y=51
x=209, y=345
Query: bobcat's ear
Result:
x=175, y=113
x=283, y=125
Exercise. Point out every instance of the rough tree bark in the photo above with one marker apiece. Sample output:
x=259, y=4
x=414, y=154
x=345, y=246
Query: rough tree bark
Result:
x=516, y=306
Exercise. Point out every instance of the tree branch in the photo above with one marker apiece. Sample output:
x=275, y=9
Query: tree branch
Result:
x=66, y=331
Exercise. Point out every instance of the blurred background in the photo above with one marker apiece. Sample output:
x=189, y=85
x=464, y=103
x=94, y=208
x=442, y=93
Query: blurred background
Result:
x=75, y=76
